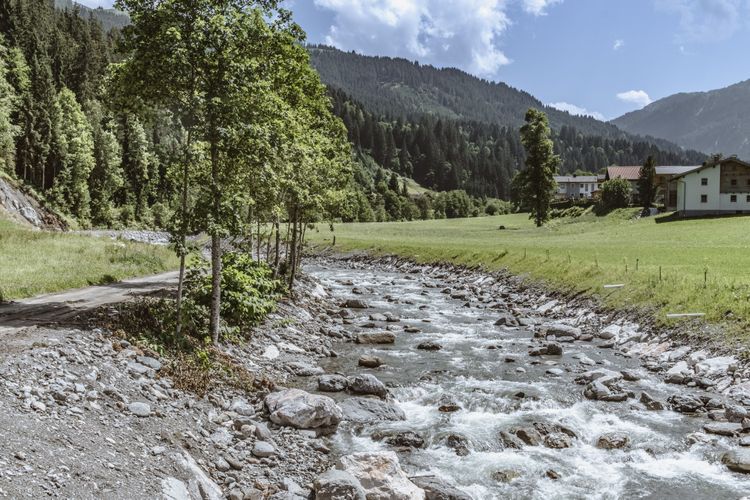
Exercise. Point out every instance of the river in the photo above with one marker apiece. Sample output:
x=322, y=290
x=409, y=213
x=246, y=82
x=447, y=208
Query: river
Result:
x=487, y=372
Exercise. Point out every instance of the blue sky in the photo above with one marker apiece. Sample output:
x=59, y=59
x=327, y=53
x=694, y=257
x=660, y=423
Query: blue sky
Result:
x=600, y=57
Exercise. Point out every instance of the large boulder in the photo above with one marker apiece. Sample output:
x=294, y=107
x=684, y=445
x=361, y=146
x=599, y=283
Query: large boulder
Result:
x=368, y=385
x=367, y=411
x=613, y=440
x=376, y=338
x=737, y=460
x=685, y=403
x=560, y=330
x=355, y=304
x=716, y=367
x=302, y=410
x=381, y=476
x=332, y=383
x=507, y=319
x=436, y=489
x=338, y=485
x=678, y=374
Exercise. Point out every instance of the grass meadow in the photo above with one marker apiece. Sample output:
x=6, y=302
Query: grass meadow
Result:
x=35, y=262
x=686, y=266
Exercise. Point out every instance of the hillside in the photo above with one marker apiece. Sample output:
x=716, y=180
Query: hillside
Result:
x=713, y=122
x=401, y=88
x=109, y=18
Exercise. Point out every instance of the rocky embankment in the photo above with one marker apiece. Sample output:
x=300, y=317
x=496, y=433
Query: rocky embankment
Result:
x=86, y=414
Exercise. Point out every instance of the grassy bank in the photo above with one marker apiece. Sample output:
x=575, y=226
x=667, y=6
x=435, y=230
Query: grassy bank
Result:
x=35, y=262
x=705, y=264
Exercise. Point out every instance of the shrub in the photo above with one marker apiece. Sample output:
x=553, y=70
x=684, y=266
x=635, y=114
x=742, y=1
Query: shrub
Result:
x=249, y=291
x=615, y=194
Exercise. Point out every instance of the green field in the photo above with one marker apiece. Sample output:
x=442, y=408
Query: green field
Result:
x=35, y=262
x=705, y=264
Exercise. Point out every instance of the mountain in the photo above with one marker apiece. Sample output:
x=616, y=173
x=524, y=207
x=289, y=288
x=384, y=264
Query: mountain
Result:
x=712, y=122
x=109, y=18
x=400, y=88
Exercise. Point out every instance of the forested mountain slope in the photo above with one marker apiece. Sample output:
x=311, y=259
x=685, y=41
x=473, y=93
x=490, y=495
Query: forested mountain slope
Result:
x=713, y=122
x=109, y=18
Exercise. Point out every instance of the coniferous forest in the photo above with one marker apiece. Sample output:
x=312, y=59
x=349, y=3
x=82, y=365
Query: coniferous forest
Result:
x=104, y=157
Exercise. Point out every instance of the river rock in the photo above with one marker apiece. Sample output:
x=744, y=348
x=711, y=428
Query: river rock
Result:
x=459, y=444
x=560, y=330
x=716, y=367
x=598, y=391
x=735, y=413
x=381, y=476
x=355, y=304
x=429, y=346
x=332, y=383
x=302, y=410
x=557, y=440
x=509, y=440
x=505, y=475
x=405, y=439
x=338, y=485
x=610, y=332
x=448, y=405
x=302, y=369
x=367, y=411
x=263, y=449
x=378, y=317
x=241, y=407
x=678, y=374
x=650, y=402
x=369, y=361
x=507, y=320
x=723, y=428
x=140, y=409
x=528, y=435
x=436, y=489
x=630, y=375
x=613, y=440
x=554, y=349
x=737, y=460
x=376, y=338
x=367, y=384
x=684, y=403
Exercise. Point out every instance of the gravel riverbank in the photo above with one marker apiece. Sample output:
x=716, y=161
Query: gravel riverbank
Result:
x=341, y=411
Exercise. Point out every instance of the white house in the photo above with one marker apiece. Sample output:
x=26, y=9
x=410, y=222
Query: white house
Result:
x=715, y=188
x=576, y=186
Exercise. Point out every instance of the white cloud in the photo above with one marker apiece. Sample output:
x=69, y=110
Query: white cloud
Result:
x=538, y=7
x=619, y=43
x=577, y=110
x=638, y=97
x=460, y=33
x=707, y=20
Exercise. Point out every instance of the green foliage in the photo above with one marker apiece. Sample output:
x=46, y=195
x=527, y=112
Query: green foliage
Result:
x=615, y=193
x=76, y=154
x=249, y=291
x=8, y=98
x=646, y=187
x=536, y=181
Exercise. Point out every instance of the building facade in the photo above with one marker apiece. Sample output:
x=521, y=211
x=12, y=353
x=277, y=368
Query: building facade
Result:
x=574, y=187
x=715, y=189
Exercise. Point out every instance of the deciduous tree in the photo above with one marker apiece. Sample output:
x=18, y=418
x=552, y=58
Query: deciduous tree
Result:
x=537, y=181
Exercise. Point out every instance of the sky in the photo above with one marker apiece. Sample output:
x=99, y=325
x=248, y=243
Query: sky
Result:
x=598, y=57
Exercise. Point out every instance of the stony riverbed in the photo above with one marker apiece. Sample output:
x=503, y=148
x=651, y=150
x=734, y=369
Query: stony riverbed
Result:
x=385, y=379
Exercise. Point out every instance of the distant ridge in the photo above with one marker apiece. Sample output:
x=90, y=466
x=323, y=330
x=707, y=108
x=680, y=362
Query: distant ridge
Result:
x=717, y=121
x=109, y=18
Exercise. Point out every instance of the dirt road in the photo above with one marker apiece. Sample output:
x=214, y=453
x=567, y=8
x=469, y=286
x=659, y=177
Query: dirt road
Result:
x=62, y=308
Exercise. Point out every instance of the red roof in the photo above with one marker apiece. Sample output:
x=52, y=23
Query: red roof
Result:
x=627, y=173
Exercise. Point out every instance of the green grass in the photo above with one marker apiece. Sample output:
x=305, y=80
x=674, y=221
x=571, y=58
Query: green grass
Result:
x=35, y=262
x=583, y=254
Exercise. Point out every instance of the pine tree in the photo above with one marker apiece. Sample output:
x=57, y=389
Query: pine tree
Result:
x=538, y=181
x=646, y=187
x=76, y=149
x=8, y=130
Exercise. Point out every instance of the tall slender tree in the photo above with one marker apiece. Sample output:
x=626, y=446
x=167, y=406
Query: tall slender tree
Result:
x=537, y=180
x=646, y=187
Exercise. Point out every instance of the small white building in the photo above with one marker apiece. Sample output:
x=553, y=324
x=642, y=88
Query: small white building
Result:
x=571, y=187
x=715, y=188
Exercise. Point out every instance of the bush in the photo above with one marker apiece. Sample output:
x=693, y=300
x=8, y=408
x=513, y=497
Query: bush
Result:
x=249, y=291
x=615, y=194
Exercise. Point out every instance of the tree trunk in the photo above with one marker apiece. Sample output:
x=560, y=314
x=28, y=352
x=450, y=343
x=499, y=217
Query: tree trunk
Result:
x=215, y=312
x=183, y=231
x=278, y=245
x=292, y=255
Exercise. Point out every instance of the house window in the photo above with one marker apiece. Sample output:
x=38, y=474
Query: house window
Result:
x=704, y=198
x=704, y=181
x=734, y=182
x=748, y=198
x=733, y=198
x=581, y=186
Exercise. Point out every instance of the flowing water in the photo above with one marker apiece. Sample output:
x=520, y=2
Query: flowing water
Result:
x=472, y=368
